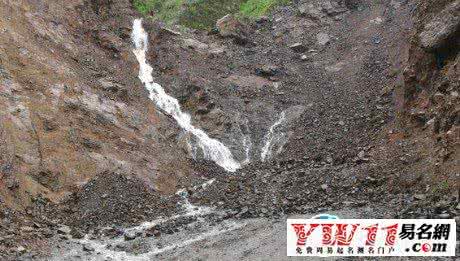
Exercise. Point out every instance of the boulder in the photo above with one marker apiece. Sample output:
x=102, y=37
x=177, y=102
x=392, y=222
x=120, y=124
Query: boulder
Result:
x=195, y=44
x=441, y=28
x=229, y=26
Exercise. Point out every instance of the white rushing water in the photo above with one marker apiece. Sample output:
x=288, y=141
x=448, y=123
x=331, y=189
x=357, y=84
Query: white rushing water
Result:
x=212, y=149
x=273, y=138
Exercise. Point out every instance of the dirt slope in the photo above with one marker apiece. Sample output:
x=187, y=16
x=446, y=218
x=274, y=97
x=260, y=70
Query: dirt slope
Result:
x=365, y=94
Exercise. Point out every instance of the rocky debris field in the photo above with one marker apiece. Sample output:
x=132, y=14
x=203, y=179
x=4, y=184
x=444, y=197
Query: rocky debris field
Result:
x=330, y=106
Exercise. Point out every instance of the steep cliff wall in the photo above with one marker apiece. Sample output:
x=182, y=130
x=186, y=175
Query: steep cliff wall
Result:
x=432, y=86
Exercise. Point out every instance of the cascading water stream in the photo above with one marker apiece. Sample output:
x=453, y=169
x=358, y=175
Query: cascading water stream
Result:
x=273, y=138
x=212, y=149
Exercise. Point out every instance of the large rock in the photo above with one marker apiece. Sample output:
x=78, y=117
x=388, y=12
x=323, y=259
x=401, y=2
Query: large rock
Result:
x=195, y=44
x=229, y=26
x=441, y=28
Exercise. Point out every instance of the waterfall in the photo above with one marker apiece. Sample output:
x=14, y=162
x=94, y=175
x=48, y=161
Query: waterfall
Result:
x=274, y=138
x=212, y=149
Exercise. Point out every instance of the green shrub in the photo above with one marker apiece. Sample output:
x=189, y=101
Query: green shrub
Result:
x=165, y=10
x=257, y=8
x=203, y=14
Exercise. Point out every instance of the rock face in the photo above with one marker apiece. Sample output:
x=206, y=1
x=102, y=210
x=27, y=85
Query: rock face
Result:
x=443, y=30
x=432, y=83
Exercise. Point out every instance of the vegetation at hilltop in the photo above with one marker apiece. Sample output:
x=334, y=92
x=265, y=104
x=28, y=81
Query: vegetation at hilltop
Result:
x=202, y=14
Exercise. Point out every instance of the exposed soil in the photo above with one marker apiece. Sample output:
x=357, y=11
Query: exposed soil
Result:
x=365, y=92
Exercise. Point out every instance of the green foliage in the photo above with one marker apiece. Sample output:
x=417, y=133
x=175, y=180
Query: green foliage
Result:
x=165, y=10
x=256, y=8
x=203, y=14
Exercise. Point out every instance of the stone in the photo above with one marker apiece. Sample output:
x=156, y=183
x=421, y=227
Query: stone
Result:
x=304, y=57
x=12, y=183
x=243, y=211
x=195, y=44
x=311, y=11
x=170, y=31
x=458, y=207
x=229, y=26
x=77, y=234
x=438, y=98
x=110, y=86
x=88, y=248
x=248, y=83
x=419, y=196
x=323, y=39
x=21, y=250
x=298, y=47
x=130, y=236
x=441, y=28
x=91, y=144
x=444, y=215
x=262, y=19
x=64, y=230
x=109, y=41
x=267, y=70
x=27, y=229
x=324, y=187
x=156, y=233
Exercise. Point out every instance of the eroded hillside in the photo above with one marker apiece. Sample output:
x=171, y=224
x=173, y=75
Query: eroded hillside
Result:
x=324, y=105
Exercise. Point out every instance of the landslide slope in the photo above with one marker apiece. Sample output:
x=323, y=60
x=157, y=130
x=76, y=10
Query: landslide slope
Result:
x=71, y=106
